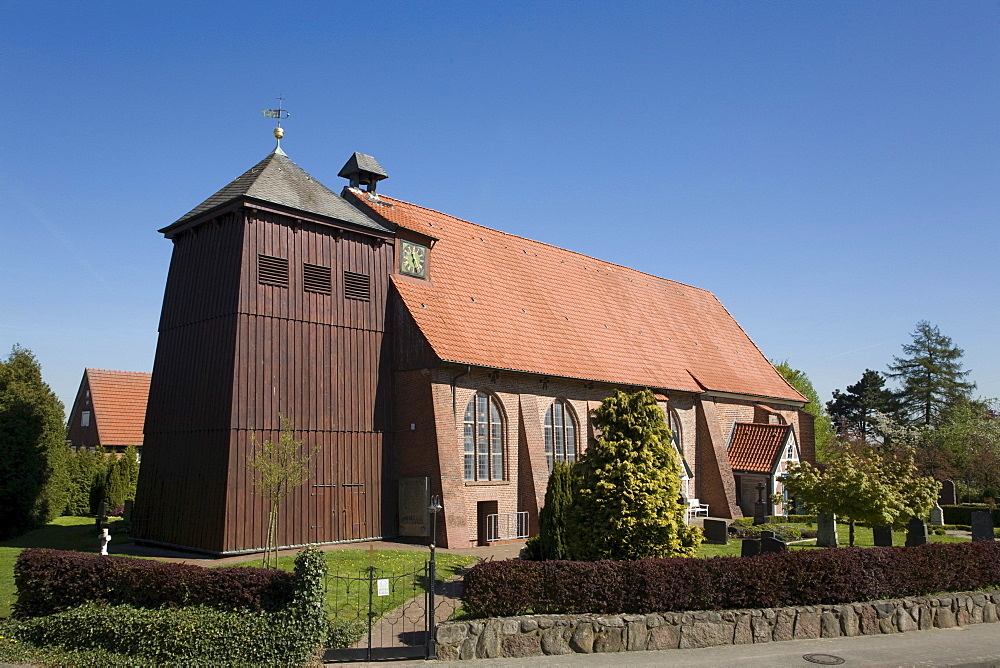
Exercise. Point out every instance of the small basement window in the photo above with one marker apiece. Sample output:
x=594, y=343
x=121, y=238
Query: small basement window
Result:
x=357, y=286
x=316, y=278
x=272, y=271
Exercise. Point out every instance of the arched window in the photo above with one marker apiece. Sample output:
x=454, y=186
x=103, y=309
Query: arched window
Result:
x=675, y=431
x=483, y=439
x=560, y=433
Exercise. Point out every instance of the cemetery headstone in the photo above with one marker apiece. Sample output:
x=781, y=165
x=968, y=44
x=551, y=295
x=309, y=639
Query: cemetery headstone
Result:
x=882, y=536
x=826, y=530
x=716, y=532
x=982, y=525
x=749, y=547
x=759, y=517
x=127, y=512
x=771, y=544
x=946, y=497
x=766, y=533
x=916, y=532
x=937, y=515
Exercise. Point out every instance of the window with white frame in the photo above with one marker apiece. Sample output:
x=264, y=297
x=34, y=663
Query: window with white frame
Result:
x=483, y=439
x=560, y=433
x=85, y=419
x=674, y=423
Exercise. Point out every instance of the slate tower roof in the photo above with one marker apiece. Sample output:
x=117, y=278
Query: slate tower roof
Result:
x=278, y=180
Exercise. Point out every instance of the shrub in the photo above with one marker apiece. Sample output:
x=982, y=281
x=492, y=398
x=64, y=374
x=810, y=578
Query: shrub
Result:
x=811, y=577
x=776, y=519
x=784, y=533
x=49, y=581
x=963, y=514
x=553, y=519
x=292, y=635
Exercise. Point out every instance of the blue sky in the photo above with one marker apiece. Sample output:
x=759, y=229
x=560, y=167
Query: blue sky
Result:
x=831, y=171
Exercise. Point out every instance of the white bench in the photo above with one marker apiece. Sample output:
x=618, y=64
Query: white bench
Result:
x=696, y=509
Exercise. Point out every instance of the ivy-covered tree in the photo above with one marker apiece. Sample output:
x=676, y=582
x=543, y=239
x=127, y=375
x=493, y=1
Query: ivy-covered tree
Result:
x=553, y=520
x=853, y=412
x=822, y=425
x=33, y=454
x=931, y=374
x=626, y=504
x=862, y=485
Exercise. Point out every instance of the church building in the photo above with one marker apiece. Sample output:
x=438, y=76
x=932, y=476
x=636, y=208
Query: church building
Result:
x=419, y=354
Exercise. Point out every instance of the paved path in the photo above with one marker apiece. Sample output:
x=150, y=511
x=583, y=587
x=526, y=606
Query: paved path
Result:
x=977, y=645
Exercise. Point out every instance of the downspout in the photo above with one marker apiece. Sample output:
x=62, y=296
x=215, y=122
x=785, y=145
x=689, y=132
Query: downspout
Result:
x=454, y=407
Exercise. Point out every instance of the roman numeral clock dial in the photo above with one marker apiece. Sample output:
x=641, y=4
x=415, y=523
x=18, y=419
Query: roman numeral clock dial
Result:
x=413, y=259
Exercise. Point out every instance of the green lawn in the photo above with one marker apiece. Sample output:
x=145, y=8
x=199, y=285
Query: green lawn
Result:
x=862, y=538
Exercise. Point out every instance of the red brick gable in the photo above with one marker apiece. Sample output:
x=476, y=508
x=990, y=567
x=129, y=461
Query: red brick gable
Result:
x=756, y=447
x=119, y=400
x=503, y=301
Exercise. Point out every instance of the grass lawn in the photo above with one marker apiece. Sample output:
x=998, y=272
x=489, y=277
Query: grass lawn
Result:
x=862, y=538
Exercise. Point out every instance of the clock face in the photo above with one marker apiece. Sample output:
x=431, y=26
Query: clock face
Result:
x=413, y=259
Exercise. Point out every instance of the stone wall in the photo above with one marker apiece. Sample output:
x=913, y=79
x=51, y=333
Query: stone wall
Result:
x=532, y=635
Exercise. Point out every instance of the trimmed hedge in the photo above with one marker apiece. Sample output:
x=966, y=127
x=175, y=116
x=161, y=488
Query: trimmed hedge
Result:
x=50, y=581
x=963, y=514
x=809, y=577
x=196, y=634
x=778, y=519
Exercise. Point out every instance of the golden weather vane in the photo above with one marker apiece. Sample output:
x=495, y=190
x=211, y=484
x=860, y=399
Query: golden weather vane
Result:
x=279, y=114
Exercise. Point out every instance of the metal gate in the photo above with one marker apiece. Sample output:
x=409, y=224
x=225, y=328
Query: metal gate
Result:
x=380, y=615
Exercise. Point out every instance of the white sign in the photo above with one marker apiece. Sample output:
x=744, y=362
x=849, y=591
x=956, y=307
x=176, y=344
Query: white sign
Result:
x=383, y=586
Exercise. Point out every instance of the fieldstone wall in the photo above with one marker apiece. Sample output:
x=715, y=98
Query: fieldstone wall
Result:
x=532, y=635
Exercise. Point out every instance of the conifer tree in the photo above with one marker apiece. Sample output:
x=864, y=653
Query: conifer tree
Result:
x=83, y=466
x=123, y=473
x=626, y=504
x=553, y=520
x=854, y=411
x=931, y=374
x=33, y=452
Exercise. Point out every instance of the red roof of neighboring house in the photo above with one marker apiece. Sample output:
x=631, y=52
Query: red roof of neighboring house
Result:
x=119, y=400
x=502, y=301
x=756, y=447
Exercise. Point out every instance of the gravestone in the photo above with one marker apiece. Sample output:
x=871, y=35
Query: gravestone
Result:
x=982, y=525
x=946, y=497
x=768, y=543
x=826, y=530
x=882, y=536
x=749, y=547
x=937, y=516
x=716, y=532
x=127, y=512
x=759, y=518
x=916, y=532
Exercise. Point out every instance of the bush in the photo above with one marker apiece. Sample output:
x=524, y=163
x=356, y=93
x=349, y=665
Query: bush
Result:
x=50, y=581
x=784, y=533
x=777, y=519
x=812, y=577
x=292, y=635
x=963, y=514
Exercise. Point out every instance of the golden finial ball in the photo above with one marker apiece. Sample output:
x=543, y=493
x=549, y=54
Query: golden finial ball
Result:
x=278, y=133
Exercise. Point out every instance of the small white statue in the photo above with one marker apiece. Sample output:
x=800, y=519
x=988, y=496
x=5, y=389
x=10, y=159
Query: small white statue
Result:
x=105, y=539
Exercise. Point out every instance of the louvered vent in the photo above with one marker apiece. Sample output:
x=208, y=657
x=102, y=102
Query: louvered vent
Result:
x=272, y=271
x=316, y=278
x=357, y=286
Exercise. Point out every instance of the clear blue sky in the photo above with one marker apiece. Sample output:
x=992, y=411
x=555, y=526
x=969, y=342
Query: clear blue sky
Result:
x=831, y=171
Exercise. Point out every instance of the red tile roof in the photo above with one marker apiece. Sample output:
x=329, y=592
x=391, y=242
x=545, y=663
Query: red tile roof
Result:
x=119, y=399
x=502, y=301
x=756, y=447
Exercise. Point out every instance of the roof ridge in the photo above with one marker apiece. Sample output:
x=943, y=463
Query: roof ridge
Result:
x=544, y=243
x=144, y=373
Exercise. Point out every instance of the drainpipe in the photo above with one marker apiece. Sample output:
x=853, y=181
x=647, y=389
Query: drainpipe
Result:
x=454, y=408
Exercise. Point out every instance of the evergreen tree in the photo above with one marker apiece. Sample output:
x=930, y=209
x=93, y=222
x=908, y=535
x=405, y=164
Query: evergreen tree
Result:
x=626, y=504
x=853, y=412
x=931, y=374
x=83, y=466
x=123, y=473
x=33, y=452
x=822, y=425
x=553, y=520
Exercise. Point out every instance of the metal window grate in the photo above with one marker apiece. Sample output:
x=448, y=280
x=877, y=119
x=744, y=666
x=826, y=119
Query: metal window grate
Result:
x=316, y=278
x=272, y=271
x=357, y=286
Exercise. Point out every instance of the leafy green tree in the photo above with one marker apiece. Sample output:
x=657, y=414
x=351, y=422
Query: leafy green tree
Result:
x=33, y=454
x=84, y=465
x=965, y=445
x=853, y=412
x=553, y=520
x=123, y=473
x=278, y=468
x=863, y=486
x=822, y=425
x=626, y=504
x=931, y=374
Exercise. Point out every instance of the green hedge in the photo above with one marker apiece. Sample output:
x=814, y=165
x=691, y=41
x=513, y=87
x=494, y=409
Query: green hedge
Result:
x=198, y=634
x=778, y=519
x=963, y=514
